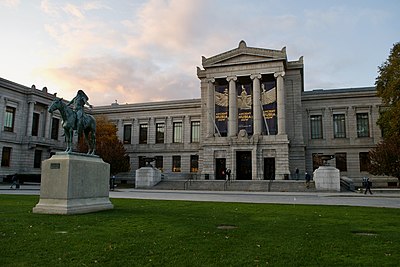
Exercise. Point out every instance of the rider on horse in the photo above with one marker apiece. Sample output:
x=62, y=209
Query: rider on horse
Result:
x=79, y=102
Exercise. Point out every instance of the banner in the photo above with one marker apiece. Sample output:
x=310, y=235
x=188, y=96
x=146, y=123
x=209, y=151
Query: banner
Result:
x=268, y=102
x=221, y=109
x=245, y=108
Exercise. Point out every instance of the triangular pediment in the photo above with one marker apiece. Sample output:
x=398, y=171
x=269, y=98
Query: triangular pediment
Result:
x=243, y=55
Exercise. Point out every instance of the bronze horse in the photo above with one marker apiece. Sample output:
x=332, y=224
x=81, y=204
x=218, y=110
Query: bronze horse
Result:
x=70, y=124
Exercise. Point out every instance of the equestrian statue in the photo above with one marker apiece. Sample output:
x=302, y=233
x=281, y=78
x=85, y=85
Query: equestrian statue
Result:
x=76, y=119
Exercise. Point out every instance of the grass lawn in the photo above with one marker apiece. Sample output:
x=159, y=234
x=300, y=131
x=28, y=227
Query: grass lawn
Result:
x=181, y=233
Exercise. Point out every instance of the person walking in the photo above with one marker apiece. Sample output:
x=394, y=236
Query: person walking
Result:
x=367, y=184
x=14, y=180
x=308, y=178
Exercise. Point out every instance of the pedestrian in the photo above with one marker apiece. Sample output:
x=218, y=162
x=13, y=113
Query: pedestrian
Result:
x=112, y=183
x=297, y=174
x=367, y=184
x=228, y=174
x=15, y=182
x=308, y=178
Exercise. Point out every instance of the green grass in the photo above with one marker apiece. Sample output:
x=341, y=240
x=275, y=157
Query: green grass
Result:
x=179, y=233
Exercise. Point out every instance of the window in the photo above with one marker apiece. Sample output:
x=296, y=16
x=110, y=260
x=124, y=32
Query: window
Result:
x=37, y=160
x=194, y=163
x=339, y=126
x=195, y=132
x=341, y=161
x=35, y=124
x=160, y=127
x=364, y=161
x=176, y=163
x=6, y=157
x=128, y=133
x=54, y=128
x=142, y=163
x=177, y=132
x=362, y=125
x=316, y=126
x=159, y=163
x=143, y=134
x=317, y=161
x=9, y=119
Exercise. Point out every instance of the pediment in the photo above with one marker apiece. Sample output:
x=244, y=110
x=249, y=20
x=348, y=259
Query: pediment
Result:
x=244, y=54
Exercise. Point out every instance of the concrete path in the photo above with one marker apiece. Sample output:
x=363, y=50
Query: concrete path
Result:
x=378, y=199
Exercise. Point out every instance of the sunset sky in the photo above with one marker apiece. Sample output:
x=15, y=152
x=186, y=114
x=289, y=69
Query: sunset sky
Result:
x=137, y=51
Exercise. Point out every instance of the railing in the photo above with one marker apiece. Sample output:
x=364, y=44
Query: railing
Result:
x=187, y=183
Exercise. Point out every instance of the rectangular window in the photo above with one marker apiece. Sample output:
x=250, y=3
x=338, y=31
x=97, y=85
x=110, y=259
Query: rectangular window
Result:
x=9, y=119
x=6, y=157
x=194, y=163
x=317, y=161
x=159, y=163
x=195, y=132
x=142, y=163
x=127, y=134
x=341, y=161
x=55, y=126
x=362, y=125
x=143, y=134
x=37, y=160
x=176, y=163
x=364, y=161
x=316, y=126
x=35, y=124
x=177, y=132
x=339, y=126
x=160, y=128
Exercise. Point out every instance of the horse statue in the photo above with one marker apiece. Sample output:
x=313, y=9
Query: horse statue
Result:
x=70, y=124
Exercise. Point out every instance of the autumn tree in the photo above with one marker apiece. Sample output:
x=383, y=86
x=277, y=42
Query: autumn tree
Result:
x=108, y=146
x=385, y=158
x=388, y=88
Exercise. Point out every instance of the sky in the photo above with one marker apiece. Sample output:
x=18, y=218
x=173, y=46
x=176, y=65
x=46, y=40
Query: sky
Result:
x=134, y=51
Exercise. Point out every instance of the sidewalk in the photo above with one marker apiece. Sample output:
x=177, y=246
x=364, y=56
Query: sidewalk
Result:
x=382, y=198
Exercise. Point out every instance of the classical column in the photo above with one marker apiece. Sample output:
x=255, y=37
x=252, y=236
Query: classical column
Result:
x=210, y=108
x=47, y=130
x=280, y=88
x=120, y=128
x=232, y=120
x=31, y=105
x=257, y=114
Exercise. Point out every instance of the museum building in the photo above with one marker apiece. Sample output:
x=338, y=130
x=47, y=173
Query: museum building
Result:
x=254, y=117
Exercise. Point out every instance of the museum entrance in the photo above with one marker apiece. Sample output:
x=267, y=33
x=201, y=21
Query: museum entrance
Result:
x=243, y=165
x=220, y=166
x=269, y=168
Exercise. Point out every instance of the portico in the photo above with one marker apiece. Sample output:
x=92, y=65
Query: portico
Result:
x=244, y=100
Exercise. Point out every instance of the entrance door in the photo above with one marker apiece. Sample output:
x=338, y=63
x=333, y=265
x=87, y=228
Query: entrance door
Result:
x=220, y=166
x=243, y=165
x=269, y=168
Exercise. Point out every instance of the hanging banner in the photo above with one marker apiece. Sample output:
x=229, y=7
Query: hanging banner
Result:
x=245, y=108
x=268, y=102
x=221, y=108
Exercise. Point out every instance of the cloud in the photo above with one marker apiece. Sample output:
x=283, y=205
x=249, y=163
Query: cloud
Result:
x=10, y=3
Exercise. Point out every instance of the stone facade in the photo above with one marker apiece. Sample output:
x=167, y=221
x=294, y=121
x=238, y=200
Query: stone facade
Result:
x=254, y=117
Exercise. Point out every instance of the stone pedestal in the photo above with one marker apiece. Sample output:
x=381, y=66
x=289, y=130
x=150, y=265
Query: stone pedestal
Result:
x=147, y=177
x=74, y=183
x=327, y=178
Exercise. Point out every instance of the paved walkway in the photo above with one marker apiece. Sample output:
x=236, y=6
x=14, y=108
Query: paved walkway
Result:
x=380, y=198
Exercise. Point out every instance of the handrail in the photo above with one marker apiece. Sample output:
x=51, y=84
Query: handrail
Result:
x=188, y=181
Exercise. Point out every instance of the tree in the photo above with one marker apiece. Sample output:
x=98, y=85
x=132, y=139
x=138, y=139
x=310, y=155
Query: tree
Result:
x=385, y=157
x=108, y=146
x=388, y=88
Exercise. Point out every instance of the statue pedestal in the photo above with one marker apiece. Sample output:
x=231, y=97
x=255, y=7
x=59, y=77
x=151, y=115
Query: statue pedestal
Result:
x=74, y=183
x=147, y=177
x=327, y=178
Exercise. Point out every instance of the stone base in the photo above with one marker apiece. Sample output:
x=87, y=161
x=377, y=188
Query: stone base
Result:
x=147, y=177
x=74, y=183
x=327, y=178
